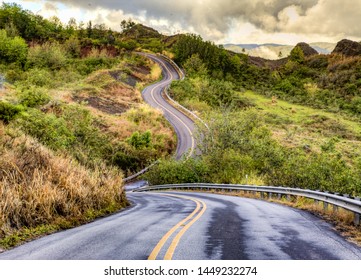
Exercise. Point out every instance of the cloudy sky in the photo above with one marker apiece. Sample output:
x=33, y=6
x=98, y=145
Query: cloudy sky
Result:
x=222, y=21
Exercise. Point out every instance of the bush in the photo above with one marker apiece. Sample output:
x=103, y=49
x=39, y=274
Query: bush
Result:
x=88, y=65
x=47, y=128
x=40, y=77
x=39, y=188
x=177, y=172
x=12, y=49
x=8, y=111
x=48, y=55
x=72, y=47
x=34, y=97
x=91, y=144
x=140, y=140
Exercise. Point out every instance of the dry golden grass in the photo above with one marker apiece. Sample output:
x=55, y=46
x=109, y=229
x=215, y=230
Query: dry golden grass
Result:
x=38, y=187
x=155, y=72
x=169, y=54
x=341, y=62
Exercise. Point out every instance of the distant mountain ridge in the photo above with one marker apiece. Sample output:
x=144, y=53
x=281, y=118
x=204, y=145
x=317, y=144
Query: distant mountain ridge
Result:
x=276, y=51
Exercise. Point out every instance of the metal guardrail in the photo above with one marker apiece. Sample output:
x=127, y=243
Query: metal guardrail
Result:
x=337, y=200
x=2, y=81
x=175, y=65
x=166, y=90
x=141, y=172
x=181, y=75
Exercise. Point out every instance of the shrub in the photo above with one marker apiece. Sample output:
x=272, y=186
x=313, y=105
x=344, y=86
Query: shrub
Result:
x=39, y=77
x=12, y=49
x=72, y=47
x=9, y=111
x=48, y=55
x=34, y=97
x=176, y=172
x=47, y=128
x=140, y=140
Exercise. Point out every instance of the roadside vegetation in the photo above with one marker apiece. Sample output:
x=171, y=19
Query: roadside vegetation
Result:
x=72, y=122
x=260, y=133
x=291, y=123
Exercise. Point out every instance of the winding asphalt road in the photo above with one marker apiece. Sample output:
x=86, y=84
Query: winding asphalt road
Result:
x=195, y=226
x=191, y=226
x=182, y=124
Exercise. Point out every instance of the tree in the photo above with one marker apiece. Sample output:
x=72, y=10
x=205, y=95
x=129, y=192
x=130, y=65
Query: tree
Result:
x=127, y=24
x=89, y=29
x=47, y=55
x=297, y=55
x=194, y=66
x=12, y=49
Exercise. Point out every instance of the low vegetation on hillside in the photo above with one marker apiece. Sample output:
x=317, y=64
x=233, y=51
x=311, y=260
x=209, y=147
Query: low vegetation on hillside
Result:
x=300, y=129
x=72, y=122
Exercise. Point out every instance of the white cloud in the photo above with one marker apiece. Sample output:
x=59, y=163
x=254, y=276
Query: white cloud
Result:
x=224, y=20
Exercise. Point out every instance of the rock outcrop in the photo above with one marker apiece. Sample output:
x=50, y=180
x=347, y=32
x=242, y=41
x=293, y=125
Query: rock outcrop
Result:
x=348, y=48
x=307, y=49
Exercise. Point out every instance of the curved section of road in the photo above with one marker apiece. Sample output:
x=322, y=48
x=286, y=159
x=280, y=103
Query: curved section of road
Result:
x=191, y=226
x=182, y=124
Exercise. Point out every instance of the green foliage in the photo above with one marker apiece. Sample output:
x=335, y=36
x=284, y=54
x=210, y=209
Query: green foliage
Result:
x=127, y=24
x=155, y=45
x=48, y=55
x=90, y=143
x=176, y=172
x=39, y=77
x=8, y=111
x=12, y=49
x=72, y=47
x=297, y=55
x=215, y=93
x=126, y=162
x=194, y=66
x=88, y=65
x=240, y=146
x=47, y=128
x=129, y=44
x=34, y=97
x=140, y=140
x=317, y=172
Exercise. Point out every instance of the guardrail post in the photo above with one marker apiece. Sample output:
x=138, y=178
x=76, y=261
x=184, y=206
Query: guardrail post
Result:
x=288, y=197
x=356, y=219
x=335, y=208
x=279, y=196
x=325, y=206
x=262, y=195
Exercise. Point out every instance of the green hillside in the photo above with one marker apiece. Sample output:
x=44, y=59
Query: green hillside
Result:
x=72, y=120
x=73, y=123
x=293, y=123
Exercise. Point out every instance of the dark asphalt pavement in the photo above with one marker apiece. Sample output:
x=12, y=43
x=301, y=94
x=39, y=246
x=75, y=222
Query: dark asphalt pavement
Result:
x=228, y=228
x=183, y=125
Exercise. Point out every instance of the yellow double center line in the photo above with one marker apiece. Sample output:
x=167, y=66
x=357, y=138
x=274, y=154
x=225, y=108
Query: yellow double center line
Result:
x=179, y=119
x=191, y=219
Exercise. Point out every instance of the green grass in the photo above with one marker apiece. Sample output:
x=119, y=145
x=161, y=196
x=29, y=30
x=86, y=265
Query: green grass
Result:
x=296, y=125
